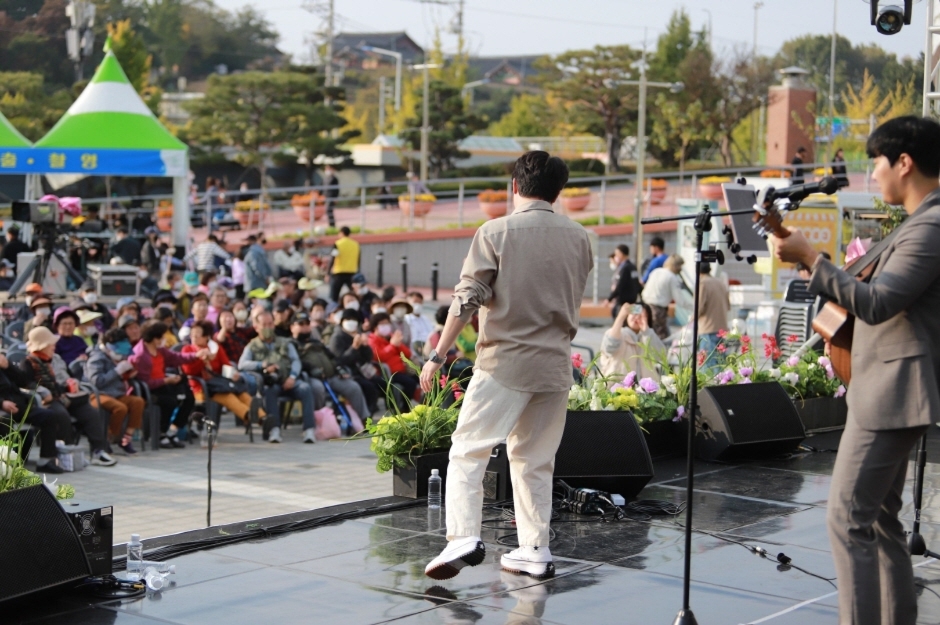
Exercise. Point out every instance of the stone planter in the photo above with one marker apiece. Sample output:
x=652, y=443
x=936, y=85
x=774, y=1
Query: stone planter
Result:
x=303, y=211
x=165, y=224
x=575, y=203
x=665, y=438
x=421, y=208
x=493, y=209
x=249, y=219
x=822, y=414
x=411, y=480
x=710, y=191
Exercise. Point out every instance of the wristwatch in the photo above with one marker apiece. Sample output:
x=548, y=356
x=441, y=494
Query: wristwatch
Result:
x=433, y=357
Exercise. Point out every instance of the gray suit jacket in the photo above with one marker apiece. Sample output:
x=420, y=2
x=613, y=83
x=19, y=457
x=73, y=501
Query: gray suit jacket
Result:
x=896, y=345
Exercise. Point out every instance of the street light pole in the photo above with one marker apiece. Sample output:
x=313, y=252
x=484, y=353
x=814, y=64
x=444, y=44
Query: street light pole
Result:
x=640, y=166
x=755, y=127
x=929, y=66
x=397, y=56
x=381, y=104
x=832, y=82
x=425, y=116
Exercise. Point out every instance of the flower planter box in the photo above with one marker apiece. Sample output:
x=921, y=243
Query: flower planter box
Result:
x=575, y=203
x=165, y=224
x=657, y=194
x=303, y=211
x=710, y=191
x=493, y=209
x=411, y=480
x=421, y=208
x=822, y=414
x=665, y=438
x=249, y=219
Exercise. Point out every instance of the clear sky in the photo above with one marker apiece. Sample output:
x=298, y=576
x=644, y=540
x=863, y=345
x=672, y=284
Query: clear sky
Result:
x=507, y=27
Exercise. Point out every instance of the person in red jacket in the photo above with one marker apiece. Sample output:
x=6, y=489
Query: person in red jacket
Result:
x=209, y=367
x=389, y=348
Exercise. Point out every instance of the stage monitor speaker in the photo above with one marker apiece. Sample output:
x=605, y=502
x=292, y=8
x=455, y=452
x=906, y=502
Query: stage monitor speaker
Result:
x=497, y=484
x=95, y=526
x=40, y=546
x=747, y=421
x=604, y=450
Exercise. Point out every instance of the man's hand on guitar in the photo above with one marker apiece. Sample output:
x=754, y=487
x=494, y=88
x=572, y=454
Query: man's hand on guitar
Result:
x=794, y=249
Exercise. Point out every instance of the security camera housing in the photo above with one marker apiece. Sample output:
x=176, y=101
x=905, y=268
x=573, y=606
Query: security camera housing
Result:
x=890, y=19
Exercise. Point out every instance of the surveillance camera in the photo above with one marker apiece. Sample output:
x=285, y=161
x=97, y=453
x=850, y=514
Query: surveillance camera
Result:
x=888, y=20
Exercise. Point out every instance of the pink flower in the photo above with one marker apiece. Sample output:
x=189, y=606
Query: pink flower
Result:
x=443, y=381
x=722, y=334
x=745, y=381
x=793, y=361
x=824, y=362
x=747, y=371
x=829, y=372
x=648, y=385
x=629, y=379
x=792, y=338
x=721, y=348
x=680, y=412
x=840, y=391
x=746, y=339
x=617, y=386
x=576, y=361
x=701, y=357
x=745, y=348
x=458, y=394
x=725, y=376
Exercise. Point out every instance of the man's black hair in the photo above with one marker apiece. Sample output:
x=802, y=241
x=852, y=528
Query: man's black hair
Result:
x=345, y=230
x=800, y=150
x=658, y=242
x=540, y=175
x=440, y=315
x=122, y=230
x=624, y=249
x=917, y=137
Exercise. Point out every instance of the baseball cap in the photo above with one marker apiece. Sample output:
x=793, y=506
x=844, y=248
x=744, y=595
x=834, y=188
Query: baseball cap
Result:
x=33, y=287
x=127, y=320
x=281, y=305
x=300, y=318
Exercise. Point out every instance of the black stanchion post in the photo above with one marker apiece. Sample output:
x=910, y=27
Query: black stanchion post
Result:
x=380, y=261
x=434, y=277
x=404, y=274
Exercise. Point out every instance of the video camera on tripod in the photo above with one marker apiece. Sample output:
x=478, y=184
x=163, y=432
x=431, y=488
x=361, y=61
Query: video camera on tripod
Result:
x=48, y=265
x=37, y=213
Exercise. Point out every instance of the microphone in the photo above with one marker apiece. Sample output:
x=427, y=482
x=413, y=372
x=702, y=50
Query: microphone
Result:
x=798, y=192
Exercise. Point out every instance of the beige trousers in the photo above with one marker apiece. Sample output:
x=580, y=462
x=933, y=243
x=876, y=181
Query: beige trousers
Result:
x=531, y=424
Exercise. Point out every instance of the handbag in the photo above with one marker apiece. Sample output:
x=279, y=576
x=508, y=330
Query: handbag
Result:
x=218, y=384
x=75, y=400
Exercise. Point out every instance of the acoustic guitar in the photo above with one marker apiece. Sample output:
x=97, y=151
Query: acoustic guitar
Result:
x=833, y=323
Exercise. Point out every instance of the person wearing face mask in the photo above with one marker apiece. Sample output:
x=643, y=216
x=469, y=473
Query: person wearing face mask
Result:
x=258, y=271
x=6, y=274
x=363, y=292
x=352, y=351
x=233, y=332
x=276, y=360
x=306, y=294
x=206, y=254
x=320, y=364
x=628, y=341
x=69, y=346
x=89, y=295
x=208, y=280
x=190, y=290
x=41, y=308
x=108, y=371
x=389, y=348
x=283, y=314
x=319, y=320
x=148, y=283
x=167, y=390
x=87, y=329
x=131, y=327
x=399, y=310
x=421, y=327
x=350, y=301
x=32, y=291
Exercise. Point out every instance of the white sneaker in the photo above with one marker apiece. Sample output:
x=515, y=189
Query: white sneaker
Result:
x=102, y=459
x=460, y=552
x=310, y=435
x=274, y=436
x=532, y=561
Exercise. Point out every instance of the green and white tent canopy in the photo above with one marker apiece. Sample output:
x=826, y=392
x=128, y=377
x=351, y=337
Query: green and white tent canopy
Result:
x=10, y=137
x=108, y=131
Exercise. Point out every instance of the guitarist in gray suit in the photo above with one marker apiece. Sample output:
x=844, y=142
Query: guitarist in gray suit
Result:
x=894, y=394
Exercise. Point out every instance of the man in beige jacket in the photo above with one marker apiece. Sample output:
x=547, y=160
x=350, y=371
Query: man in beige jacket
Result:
x=526, y=275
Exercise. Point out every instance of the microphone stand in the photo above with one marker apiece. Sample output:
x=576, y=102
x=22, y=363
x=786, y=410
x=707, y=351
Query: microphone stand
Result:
x=916, y=541
x=703, y=224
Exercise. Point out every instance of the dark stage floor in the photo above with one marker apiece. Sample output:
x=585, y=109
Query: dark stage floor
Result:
x=370, y=570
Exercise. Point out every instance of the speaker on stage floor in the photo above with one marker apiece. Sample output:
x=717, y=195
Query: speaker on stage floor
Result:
x=747, y=421
x=604, y=450
x=40, y=546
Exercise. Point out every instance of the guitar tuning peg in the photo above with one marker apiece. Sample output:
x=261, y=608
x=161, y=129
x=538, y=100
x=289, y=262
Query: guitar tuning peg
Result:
x=738, y=257
x=735, y=248
x=751, y=259
x=720, y=257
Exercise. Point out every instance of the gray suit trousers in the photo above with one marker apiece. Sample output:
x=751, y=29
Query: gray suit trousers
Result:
x=873, y=563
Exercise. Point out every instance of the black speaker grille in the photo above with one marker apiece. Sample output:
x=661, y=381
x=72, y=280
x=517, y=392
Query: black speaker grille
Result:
x=754, y=412
x=39, y=544
x=602, y=444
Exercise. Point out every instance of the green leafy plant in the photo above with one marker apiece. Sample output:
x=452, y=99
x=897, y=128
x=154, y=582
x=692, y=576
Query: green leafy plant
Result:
x=13, y=471
x=895, y=216
x=808, y=377
x=427, y=427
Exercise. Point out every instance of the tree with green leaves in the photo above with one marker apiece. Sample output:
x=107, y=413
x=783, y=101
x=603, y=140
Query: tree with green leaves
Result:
x=449, y=125
x=259, y=112
x=529, y=115
x=25, y=103
x=131, y=53
x=590, y=82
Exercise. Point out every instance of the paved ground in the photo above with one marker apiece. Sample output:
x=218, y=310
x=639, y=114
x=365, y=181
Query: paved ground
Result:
x=164, y=492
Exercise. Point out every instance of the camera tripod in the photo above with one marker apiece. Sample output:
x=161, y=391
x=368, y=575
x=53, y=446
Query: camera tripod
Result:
x=38, y=268
x=916, y=541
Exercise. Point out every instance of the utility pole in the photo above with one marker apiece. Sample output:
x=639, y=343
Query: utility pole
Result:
x=832, y=83
x=930, y=67
x=755, y=127
x=640, y=164
x=425, y=124
x=381, y=104
x=328, y=70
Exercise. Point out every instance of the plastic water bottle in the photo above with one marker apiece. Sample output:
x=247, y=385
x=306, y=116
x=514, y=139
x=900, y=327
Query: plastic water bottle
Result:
x=434, y=489
x=161, y=567
x=155, y=579
x=135, y=558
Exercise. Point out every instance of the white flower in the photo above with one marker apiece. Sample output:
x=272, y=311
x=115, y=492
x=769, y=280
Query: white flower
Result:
x=775, y=373
x=669, y=383
x=5, y=470
x=792, y=378
x=7, y=453
x=596, y=404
